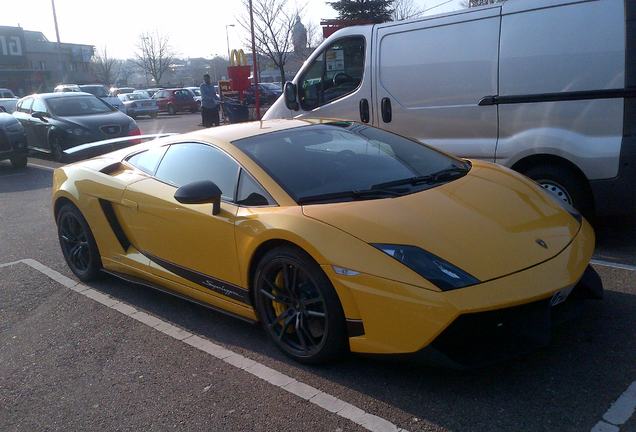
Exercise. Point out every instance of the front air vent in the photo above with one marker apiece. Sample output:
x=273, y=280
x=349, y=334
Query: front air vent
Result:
x=109, y=212
x=112, y=168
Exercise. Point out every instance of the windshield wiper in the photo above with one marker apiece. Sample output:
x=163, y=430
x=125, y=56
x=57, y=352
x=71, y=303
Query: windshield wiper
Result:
x=437, y=177
x=351, y=195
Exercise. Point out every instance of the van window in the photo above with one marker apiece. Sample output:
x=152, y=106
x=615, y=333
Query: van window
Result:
x=334, y=73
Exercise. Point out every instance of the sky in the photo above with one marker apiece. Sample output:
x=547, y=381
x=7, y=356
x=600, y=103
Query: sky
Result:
x=196, y=28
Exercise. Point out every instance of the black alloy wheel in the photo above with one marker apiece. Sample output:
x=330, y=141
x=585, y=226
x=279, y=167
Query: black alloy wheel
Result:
x=77, y=243
x=298, y=306
x=56, y=149
x=19, y=162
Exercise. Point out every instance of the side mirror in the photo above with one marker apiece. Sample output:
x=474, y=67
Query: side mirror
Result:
x=40, y=115
x=200, y=192
x=290, y=96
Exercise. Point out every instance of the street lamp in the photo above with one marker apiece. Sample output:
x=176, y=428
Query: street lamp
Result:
x=227, y=38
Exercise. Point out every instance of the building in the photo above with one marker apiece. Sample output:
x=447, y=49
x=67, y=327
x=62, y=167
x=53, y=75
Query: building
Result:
x=30, y=63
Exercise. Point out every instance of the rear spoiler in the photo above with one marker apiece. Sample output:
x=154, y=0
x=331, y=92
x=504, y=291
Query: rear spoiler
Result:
x=97, y=148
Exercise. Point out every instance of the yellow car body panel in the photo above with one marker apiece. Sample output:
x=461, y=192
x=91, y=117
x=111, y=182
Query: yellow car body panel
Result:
x=486, y=223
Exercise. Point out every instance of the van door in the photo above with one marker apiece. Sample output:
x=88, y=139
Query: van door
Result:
x=431, y=75
x=336, y=81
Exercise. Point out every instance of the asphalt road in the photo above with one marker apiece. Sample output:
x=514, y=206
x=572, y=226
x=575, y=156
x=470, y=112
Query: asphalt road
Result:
x=70, y=363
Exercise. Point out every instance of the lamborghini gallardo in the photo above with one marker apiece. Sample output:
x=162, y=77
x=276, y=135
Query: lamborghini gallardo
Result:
x=336, y=236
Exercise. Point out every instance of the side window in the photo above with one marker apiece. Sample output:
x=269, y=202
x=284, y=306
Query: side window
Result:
x=148, y=160
x=189, y=162
x=250, y=193
x=26, y=105
x=39, y=106
x=336, y=72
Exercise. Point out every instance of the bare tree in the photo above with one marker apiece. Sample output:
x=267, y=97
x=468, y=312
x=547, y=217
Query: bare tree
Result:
x=314, y=35
x=273, y=24
x=405, y=9
x=105, y=67
x=126, y=69
x=154, y=54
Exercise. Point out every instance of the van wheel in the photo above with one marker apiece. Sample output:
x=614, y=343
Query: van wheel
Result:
x=565, y=185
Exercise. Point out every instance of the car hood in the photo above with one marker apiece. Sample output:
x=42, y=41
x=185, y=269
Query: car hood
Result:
x=488, y=223
x=94, y=122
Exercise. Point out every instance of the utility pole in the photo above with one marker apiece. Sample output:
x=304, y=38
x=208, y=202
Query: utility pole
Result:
x=59, y=44
x=227, y=38
x=254, y=65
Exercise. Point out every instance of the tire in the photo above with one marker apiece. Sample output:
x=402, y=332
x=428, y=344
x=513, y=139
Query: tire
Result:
x=153, y=115
x=19, y=161
x=171, y=110
x=298, y=307
x=78, y=244
x=56, y=149
x=565, y=184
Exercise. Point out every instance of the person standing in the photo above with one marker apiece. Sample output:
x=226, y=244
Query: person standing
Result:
x=209, y=103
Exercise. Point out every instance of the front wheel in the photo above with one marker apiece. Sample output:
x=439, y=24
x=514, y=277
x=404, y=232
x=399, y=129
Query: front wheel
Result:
x=153, y=115
x=171, y=110
x=78, y=244
x=564, y=184
x=19, y=162
x=56, y=149
x=298, y=307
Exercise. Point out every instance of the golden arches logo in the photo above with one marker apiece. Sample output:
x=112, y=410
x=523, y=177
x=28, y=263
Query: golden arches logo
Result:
x=238, y=58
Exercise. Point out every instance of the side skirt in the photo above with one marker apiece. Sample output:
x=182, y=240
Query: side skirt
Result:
x=138, y=281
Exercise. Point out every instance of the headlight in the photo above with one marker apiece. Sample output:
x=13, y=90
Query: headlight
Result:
x=80, y=132
x=438, y=271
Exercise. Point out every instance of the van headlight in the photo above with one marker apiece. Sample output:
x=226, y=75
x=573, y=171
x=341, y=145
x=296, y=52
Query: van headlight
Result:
x=438, y=271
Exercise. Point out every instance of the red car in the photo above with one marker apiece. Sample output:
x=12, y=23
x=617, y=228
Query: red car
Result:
x=175, y=100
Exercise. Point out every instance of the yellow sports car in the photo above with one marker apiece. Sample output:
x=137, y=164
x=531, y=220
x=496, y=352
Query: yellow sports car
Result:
x=334, y=235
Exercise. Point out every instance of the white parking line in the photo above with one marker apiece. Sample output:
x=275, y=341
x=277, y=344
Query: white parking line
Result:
x=611, y=264
x=311, y=394
x=619, y=412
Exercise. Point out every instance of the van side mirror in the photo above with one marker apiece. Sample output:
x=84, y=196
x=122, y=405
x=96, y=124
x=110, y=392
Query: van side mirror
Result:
x=200, y=192
x=290, y=96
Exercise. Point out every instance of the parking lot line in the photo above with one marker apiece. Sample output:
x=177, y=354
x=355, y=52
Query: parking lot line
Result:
x=619, y=412
x=611, y=264
x=311, y=394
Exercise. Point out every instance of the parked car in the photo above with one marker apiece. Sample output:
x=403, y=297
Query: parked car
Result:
x=152, y=91
x=144, y=93
x=6, y=93
x=196, y=91
x=138, y=105
x=8, y=104
x=267, y=93
x=55, y=122
x=176, y=100
x=97, y=90
x=523, y=83
x=116, y=91
x=336, y=236
x=13, y=143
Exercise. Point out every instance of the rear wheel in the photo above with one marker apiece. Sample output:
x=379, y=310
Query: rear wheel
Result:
x=171, y=110
x=78, y=244
x=564, y=184
x=19, y=162
x=153, y=115
x=298, y=307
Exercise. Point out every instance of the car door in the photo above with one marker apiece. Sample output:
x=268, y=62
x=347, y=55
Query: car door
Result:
x=431, y=75
x=40, y=127
x=336, y=80
x=161, y=99
x=23, y=114
x=186, y=243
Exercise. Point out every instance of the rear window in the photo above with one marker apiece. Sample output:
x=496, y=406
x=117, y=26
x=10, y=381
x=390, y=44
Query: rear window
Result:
x=148, y=160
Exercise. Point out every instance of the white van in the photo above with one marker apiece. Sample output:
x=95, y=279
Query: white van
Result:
x=546, y=87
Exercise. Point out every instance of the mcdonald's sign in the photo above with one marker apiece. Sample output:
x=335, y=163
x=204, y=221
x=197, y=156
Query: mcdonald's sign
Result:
x=238, y=58
x=239, y=70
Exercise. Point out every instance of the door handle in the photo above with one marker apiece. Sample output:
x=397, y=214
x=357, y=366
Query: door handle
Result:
x=385, y=107
x=364, y=111
x=129, y=203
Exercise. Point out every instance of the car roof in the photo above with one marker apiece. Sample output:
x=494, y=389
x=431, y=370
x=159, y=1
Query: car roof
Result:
x=57, y=95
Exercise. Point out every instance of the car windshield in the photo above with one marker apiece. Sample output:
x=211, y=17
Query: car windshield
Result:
x=272, y=87
x=77, y=106
x=196, y=91
x=347, y=161
x=98, y=91
x=135, y=96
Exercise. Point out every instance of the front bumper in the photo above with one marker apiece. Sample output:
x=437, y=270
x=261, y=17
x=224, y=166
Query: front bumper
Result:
x=401, y=318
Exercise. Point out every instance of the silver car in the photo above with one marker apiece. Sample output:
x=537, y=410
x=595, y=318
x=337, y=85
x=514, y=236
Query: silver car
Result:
x=136, y=104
